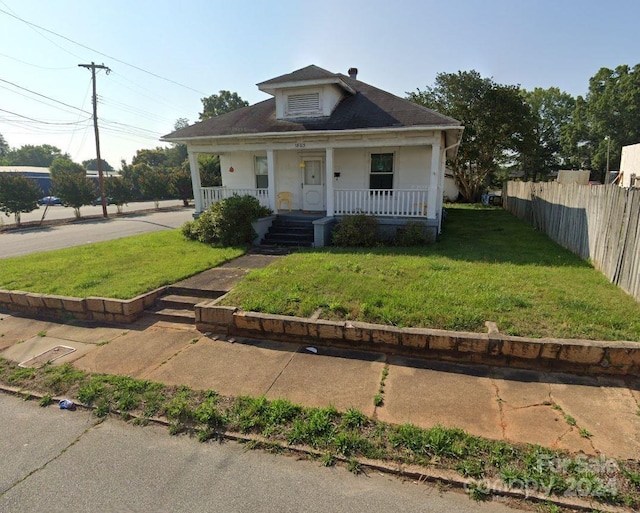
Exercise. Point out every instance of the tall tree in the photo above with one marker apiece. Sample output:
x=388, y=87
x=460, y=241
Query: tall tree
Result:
x=497, y=123
x=92, y=164
x=4, y=147
x=18, y=194
x=30, y=155
x=71, y=184
x=221, y=103
x=551, y=110
x=612, y=112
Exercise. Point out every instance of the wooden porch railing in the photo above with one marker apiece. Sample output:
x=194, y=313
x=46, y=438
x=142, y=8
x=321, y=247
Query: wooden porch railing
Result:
x=211, y=195
x=381, y=202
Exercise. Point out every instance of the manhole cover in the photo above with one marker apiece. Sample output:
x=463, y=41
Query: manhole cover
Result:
x=48, y=356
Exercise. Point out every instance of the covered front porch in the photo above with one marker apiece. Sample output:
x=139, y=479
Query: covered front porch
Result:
x=375, y=202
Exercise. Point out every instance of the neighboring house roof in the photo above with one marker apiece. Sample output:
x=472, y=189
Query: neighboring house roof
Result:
x=368, y=108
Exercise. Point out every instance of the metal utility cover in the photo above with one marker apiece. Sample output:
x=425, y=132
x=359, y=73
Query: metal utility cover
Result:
x=47, y=356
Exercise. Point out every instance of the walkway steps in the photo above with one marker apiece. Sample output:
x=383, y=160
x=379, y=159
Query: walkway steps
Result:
x=290, y=230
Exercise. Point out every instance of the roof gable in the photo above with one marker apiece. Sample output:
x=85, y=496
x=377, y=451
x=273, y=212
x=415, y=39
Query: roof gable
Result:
x=367, y=107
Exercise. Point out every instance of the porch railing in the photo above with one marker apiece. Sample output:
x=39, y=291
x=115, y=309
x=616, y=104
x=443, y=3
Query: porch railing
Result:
x=381, y=202
x=211, y=195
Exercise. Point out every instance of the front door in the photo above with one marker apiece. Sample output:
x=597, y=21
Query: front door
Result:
x=313, y=185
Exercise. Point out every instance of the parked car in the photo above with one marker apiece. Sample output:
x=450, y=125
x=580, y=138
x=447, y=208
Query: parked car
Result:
x=98, y=201
x=49, y=200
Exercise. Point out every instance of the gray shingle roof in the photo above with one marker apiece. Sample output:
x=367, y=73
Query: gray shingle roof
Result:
x=369, y=107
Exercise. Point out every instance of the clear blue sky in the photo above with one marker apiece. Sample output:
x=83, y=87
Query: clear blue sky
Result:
x=209, y=45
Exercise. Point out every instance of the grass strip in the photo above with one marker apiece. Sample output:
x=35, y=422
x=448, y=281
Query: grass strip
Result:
x=487, y=266
x=350, y=434
x=121, y=268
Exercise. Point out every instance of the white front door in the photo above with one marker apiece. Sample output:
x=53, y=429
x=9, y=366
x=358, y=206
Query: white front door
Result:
x=313, y=185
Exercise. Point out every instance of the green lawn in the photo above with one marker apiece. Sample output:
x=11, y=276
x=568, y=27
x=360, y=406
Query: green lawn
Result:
x=488, y=266
x=122, y=268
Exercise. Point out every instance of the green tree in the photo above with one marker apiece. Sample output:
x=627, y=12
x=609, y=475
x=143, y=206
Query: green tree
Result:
x=30, y=155
x=210, y=175
x=118, y=190
x=71, y=184
x=180, y=184
x=612, y=110
x=4, y=147
x=18, y=194
x=156, y=157
x=497, y=124
x=221, y=103
x=551, y=110
x=92, y=164
x=154, y=182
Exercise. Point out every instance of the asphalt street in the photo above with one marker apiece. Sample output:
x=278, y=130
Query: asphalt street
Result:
x=67, y=461
x=33, y=240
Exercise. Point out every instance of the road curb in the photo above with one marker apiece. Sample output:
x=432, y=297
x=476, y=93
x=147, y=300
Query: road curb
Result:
x=419, y=474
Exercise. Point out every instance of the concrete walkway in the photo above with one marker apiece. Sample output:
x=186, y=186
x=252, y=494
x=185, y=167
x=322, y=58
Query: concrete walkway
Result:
x=588, y=414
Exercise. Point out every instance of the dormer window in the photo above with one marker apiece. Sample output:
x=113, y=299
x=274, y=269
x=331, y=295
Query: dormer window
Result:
x=303, y=104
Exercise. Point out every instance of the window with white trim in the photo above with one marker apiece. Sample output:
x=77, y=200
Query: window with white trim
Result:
x=381, y=172
x=262, y=173
x=300, y=104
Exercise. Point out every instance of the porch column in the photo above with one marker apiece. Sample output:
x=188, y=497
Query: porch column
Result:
x=271, y=179
x=329, y=180
x=195, y=182
x=432, y=194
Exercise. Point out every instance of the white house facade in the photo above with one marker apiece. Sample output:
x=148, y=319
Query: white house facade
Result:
x=331, y=145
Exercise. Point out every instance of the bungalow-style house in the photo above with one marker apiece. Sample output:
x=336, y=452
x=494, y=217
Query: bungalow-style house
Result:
x=330, y=145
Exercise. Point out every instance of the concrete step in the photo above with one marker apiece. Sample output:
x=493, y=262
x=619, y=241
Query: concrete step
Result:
x=179, y=301
x=177, y=290
x=181, y=316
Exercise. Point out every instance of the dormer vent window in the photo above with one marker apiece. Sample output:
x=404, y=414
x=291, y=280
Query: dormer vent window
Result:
x=301, y=104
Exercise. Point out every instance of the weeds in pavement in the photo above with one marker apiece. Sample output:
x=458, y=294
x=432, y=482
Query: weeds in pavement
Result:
x=350, y=435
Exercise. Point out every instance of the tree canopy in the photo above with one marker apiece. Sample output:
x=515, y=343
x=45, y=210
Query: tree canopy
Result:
x=18, y=194
x=221, y=103
x=29, y=155
x=92, y=164
x=71, y=184
x=497, y=123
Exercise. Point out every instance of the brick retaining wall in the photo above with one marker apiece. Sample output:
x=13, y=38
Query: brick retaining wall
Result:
x=493, y=348
x=91, y=308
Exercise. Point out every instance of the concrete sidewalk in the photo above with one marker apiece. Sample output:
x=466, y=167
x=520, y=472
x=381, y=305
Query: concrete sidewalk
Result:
x=589, y=414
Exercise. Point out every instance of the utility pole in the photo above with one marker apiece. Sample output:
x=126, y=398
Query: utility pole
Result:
x=93, y=66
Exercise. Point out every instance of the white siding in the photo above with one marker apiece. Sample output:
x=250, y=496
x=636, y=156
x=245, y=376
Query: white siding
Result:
x=630, y=164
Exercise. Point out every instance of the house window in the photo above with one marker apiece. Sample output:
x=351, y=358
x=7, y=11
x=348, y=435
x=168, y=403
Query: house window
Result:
x=262, y=173
x=381, y=175
x=304, y=103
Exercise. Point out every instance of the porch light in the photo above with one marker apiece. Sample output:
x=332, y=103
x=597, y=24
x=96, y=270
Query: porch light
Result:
x=231, y=170
x=302, y=165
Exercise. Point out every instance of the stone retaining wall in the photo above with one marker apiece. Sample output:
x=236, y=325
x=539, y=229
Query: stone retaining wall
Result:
x=493, y=348
x=91, y=308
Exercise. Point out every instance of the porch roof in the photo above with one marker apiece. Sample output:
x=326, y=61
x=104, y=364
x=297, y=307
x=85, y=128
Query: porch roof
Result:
x=368, y=108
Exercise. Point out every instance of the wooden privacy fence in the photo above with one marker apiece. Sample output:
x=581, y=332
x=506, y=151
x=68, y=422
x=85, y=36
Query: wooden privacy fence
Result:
x=599, y=223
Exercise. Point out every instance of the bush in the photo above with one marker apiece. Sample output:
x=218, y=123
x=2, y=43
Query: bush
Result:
x=410, y=235
x=227, y=222
x=359, y=230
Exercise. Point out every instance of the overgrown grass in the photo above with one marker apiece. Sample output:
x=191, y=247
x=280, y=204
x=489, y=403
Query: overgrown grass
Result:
x=121, y=268
x=350, y=436
x=488, y=266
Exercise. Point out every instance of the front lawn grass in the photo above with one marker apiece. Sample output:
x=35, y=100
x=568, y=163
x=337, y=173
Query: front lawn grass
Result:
x=121, y=268
x=488, y=266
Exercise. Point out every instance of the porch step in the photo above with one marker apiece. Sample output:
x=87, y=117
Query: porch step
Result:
x=179, y=302
x=290, y=230
x=192, y=292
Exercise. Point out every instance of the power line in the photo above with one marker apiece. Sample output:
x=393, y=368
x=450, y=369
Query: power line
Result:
x=34, y=65
x=101, y=53
x=39, y=120
x=42, y=95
